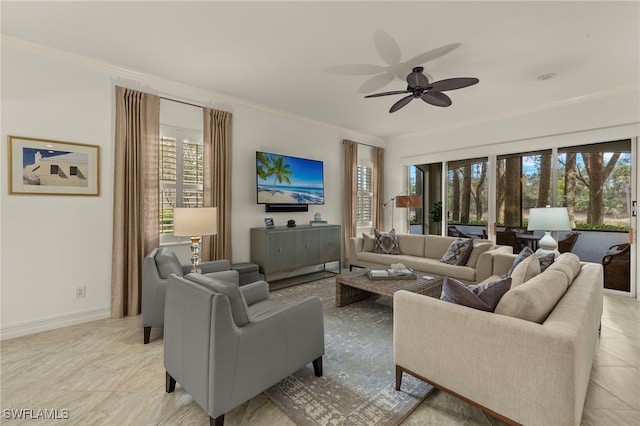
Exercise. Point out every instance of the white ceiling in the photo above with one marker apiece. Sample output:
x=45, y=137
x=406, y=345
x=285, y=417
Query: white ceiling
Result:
x=280, y=54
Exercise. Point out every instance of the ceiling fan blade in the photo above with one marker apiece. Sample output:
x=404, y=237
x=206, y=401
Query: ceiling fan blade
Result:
x=356, y=69
x=417, y=79
x=431, y=55
x=402, y=102
x=436, y=98
x=395, y=92
x=453, y=84
x=387, y=47
x=376, y=82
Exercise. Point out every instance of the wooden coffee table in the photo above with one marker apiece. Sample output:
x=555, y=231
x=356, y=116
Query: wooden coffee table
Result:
x=354, y=286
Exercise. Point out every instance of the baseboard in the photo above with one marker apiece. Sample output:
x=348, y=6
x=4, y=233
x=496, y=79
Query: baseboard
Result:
x=51, y=323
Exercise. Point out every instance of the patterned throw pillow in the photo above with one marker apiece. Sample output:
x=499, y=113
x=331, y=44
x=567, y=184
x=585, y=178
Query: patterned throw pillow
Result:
x=458, y=252
x=524, y=253
x=478, y=296
x=386, y=242
x=546, y=261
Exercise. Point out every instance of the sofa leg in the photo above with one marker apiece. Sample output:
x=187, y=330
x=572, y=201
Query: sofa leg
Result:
x=317, y=366
x=170, y=384
x=218, y=421
x=398, y=377
x=147, y=334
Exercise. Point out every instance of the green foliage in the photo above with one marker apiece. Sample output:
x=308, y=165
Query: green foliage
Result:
x=435, y=212
x=583, y=226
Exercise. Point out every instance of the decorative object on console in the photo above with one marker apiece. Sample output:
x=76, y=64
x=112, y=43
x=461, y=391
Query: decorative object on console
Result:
x=317, y=217
x=291, y=223
x=195, y=222
x=268, y=222
x=548, y=219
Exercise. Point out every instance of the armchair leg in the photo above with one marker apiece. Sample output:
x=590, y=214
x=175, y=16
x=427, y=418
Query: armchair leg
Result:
x=317, y=366
x=170, y=385
x=218, y=421
x=398, y=377
x=147, y=334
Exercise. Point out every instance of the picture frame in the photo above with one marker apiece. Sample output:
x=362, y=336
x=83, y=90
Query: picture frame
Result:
x=50, y=167
x=268, y=223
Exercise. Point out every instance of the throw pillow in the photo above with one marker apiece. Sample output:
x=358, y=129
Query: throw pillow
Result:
x=232, y=291
x=458, y=251
x=527, y=269
x=546, y=261
x=478, y=296
x=524, y=253
x=386, y=242
x=368, y=242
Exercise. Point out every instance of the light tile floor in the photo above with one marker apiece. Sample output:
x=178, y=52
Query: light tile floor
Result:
x=103, y=375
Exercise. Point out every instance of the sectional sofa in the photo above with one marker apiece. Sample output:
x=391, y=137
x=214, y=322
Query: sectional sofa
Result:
x=423, y=253
x=528, y=362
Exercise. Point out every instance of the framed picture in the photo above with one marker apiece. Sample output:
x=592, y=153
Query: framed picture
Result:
x=47, y=167
x=268, y=222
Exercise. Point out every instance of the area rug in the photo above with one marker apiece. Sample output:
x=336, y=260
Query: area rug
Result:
x=358, y=385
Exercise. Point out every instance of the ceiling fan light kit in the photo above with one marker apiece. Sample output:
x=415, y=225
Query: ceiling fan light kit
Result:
x=418, y=86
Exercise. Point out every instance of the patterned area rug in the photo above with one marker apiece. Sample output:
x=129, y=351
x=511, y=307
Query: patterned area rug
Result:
x=358, y=385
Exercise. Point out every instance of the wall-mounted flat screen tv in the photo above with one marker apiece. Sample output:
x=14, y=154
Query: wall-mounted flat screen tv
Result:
x=281, y=179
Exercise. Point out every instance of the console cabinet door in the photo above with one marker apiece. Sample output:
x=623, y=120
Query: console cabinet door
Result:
x=307, y=243
x=330, y=245
x=280, y=251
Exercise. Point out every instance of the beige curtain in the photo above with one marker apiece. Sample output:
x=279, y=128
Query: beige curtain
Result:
x=135, y=196
x=378, y=187
x=217, y=181
x=350, y=187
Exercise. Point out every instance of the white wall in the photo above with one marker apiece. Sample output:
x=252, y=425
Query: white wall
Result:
x=53, y=244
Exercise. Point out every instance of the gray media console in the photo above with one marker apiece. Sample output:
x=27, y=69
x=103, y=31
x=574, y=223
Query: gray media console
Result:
x=283, y=249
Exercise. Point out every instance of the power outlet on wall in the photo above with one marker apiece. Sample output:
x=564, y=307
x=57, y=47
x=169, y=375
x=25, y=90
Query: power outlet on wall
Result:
x=80, y=292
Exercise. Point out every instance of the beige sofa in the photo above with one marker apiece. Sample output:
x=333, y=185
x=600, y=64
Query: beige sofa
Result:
x=533, y=372
x=423, y=253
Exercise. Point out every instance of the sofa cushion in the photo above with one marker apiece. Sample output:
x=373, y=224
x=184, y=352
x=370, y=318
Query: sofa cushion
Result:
x=386, y=242
x=232, y=291
x=524, y=253
x=435, y=246
x=568, y=263
x=527, y=269
x=411, y=244
x=458, y=252
x=478, y=296
x=479, y=247
x=534, y=299
x=546, y=261
x=168, y=263
x=368, y=242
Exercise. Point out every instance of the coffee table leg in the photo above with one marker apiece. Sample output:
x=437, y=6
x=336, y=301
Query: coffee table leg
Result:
x=346, y=295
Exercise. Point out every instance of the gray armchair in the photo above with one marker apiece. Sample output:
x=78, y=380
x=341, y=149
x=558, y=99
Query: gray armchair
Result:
x=225, y=344
x=157, y=267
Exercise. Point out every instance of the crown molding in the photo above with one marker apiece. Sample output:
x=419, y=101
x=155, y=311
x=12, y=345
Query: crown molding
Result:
x=170, y=89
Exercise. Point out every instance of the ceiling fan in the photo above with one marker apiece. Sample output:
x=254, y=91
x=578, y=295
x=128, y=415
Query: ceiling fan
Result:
x=419, y=87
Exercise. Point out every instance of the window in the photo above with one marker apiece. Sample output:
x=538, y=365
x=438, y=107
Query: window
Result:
x=364, y=195
x=181, y=173
x=467, y=201
x=416, y=215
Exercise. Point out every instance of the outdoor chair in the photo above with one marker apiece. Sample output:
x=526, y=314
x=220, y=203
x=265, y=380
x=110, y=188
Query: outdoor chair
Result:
x=617, y=267
x=508, y=238
x=566, y=244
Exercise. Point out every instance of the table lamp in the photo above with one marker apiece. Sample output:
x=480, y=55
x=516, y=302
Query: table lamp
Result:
x=548, y=219
x=195, y=222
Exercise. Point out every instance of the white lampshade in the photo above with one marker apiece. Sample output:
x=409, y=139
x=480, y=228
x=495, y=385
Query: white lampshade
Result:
x=195, y=221
x=549, y=219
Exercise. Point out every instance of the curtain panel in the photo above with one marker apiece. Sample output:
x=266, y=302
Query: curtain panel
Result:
x=135, y=199
x=378, y=188
x=217, y=181
x=350, y=173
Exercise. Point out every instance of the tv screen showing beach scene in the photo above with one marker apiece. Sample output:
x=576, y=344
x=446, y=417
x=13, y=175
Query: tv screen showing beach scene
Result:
x=282, y=179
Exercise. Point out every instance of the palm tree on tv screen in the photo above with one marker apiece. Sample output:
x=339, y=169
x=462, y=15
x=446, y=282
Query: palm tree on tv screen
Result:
x=263, y=165
x=281, y=170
